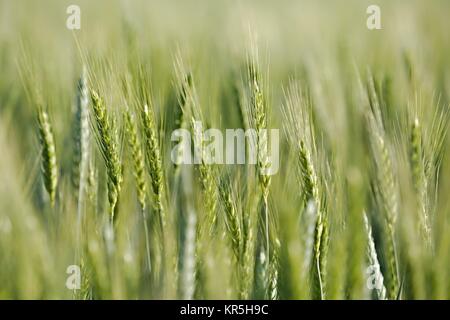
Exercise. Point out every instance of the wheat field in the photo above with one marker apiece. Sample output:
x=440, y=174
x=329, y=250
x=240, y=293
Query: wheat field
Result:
x=95, y=202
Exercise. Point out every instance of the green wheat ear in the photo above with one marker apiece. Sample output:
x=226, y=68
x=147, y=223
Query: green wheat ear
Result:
x=232, y=220
x=299, y=127
x=419, y=179
x=385, y=188
x=48, y=153
x=107, y=141
x=137, y=157
x=138, y=160
x=259, y=119
x=154, y=161
x=310, y=192
x=81, y=138
x=207, y=173
x=257, y=112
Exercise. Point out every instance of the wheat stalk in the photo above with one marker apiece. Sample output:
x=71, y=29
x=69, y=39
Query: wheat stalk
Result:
x=188, y=245
x=248, y=252
x=139, y=174
x=299, y=130
x=81, y=162
x=258, y=114
x=373, y=261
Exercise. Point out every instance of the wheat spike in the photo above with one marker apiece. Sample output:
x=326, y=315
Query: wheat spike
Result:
x=107, y=140
x=48, y=154
x=373, y=261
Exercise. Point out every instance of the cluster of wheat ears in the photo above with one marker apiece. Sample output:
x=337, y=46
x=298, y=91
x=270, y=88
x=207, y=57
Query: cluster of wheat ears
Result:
x=345, y=242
